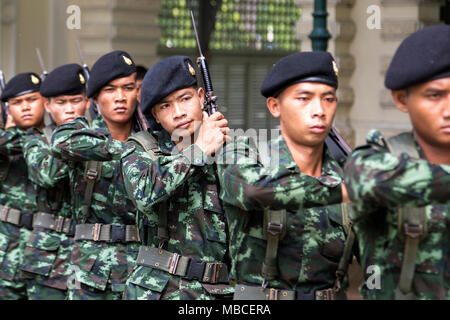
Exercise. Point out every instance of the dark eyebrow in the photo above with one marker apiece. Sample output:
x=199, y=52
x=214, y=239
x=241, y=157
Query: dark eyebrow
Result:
x=434, y=90
x=183, y=94
x=303, y=92
x=328, y=92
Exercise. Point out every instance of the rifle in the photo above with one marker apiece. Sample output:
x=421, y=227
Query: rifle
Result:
x=48, y=120
x=41, y=62
x=210, y=98
x=4, y=105
x=339, y=149
x=93, y=108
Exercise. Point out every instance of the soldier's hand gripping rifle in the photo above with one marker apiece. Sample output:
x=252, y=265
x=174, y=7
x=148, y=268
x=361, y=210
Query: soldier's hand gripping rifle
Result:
x=4, y=104
x=210, y=99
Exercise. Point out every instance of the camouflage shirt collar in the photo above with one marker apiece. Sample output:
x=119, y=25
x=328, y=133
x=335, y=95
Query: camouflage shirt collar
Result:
x=331, y=174
x=166, y=144
x=99, y=124
x=418, y=147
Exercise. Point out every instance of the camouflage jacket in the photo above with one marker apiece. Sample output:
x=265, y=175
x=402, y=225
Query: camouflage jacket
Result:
x=309, y=253
x=196, y=221
x=378, y=183
x=47, y=252
x=103, y=265
x=18, y=192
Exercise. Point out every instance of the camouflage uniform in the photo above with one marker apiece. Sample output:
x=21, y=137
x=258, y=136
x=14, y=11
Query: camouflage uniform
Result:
x=101, y=266
x=16, y=192
x=380, y=182
x=195, y=223
x=309, y=253
x=47, y=253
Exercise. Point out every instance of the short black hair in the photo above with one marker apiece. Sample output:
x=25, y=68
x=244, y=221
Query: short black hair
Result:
x=140, y=72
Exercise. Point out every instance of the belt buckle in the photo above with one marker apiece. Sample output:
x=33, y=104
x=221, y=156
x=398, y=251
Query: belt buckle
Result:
x=215, y=272
x=173, y=263
x=59, y=224
x=4, y=213
x=196, y=270
x=326, y=294
x=273, y=294
x=92, y=174
x=96, y=230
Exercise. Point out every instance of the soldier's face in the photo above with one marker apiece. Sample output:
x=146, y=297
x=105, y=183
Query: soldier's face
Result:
x=428, y=106
x=66, y=108
x=27, y=110
x=306, y=111
x=117, y=100
x=180, y=113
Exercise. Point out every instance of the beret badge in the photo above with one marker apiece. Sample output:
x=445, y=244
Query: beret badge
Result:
x=335, y=68
x=191, y=69
x=127, y=60
x=82, y=80
x=34, y=79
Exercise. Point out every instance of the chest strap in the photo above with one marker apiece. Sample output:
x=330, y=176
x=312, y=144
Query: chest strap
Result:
x=106, y=232
x=274, y=230
x=55, y=223
x=185, y=267
x=412, y=222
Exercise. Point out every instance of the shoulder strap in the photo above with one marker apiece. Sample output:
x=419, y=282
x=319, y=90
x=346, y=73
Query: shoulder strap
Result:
x=4, y=168
x=346, y=257
x=148, y=142
x=56, y=204
x=403, y=143
x=92, y=174
x=274, y=230
x=412, y=222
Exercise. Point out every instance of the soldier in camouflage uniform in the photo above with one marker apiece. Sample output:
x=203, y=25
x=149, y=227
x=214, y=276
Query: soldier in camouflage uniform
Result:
x=47, y=253
x=181, y=220
x=400, y=186
x=285, y=217
x=17, y=192
x=106, y=240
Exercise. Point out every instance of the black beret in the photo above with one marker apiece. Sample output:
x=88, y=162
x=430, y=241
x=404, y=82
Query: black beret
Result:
x=64, y=80
x=421, y=57
x=111, y=66
x=166, y=76
x=21, y=84
x=317, y=66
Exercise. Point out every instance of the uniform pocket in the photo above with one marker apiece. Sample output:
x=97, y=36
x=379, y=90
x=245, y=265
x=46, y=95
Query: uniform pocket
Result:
x=147, y=282
x=40, y=253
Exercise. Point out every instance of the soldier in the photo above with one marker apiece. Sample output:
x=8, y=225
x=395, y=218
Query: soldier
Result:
x=285, y=217
x=105, y=235
x=400, y=185
x=181, y=221
x=17, y=192
x=47, y=253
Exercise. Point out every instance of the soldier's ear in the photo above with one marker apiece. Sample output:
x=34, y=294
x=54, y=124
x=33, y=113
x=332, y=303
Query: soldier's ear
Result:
x=273, y=104
x=155, y=115
x=201, y=94
x=46, y=102
x=400, y=98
